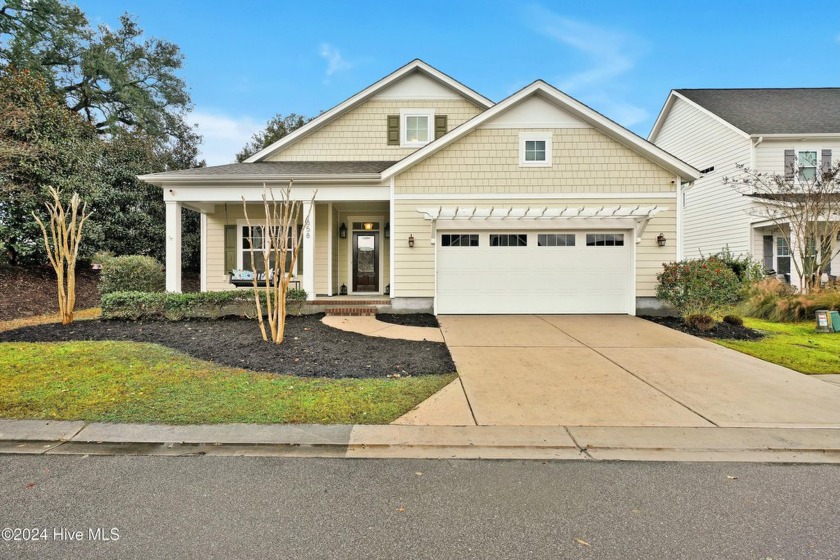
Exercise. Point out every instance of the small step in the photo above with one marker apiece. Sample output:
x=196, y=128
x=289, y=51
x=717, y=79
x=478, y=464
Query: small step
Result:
x=349, y=302
x=350, y=310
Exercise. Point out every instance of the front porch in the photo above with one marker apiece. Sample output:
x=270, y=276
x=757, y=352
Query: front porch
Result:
x=778, y=252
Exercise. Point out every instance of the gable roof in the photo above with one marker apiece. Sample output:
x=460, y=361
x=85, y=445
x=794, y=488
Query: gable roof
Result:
x=567, y=103
x=415, y=66
x=767, y=111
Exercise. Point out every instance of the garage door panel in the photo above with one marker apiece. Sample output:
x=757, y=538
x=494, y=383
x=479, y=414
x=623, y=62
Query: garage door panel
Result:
x=533, y=279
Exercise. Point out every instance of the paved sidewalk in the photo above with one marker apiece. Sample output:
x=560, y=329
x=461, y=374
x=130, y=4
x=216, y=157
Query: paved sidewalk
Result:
x=791, y=445
x=371, y=326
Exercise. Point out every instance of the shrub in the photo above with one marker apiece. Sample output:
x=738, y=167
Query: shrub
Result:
x=733, y=320
x=131, y=273
x=700, y=321
x=747, y=269
x=175, y=307
x=295, y=300
x=703, y=286
x=773, y=300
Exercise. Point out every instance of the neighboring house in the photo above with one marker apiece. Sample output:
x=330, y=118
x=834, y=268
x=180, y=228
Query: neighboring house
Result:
x=431, y=194
x=768, y=130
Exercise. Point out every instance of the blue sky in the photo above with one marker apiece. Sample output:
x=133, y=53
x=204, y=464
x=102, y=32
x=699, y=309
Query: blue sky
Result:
x=246, y=61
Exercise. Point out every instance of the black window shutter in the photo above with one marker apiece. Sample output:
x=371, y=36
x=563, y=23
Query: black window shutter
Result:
x=393, y=130
x=768, y=252
x=790, y=165
x=826, y=160
x=230, y=248
x=440, y=126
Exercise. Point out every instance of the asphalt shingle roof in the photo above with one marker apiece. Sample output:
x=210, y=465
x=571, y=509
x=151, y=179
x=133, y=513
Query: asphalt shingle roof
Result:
x=271, y=168
x=773, y=111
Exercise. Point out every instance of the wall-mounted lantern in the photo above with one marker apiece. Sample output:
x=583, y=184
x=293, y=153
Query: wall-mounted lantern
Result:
x=343, y=290
x=660, y=240
x=342, y=231
x=388, y=290
x=387, y=231
x=411, y=241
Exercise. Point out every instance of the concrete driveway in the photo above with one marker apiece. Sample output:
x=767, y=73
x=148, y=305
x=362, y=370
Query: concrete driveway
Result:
x=571, y=370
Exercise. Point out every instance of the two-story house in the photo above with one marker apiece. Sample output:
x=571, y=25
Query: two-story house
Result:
x=436, y=198
x=789, y=132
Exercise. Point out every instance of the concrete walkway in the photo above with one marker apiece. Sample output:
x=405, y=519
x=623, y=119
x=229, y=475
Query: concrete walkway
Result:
x=610, y=371
x=371, y=326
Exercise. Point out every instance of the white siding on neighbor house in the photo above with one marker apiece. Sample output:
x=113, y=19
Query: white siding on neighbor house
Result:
x=770, y=153
x=715, y=214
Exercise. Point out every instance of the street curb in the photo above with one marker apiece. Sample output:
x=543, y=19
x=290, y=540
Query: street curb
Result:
x=748, y=444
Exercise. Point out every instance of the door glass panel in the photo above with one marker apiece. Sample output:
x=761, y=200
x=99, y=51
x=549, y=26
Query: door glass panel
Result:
x=366, y=254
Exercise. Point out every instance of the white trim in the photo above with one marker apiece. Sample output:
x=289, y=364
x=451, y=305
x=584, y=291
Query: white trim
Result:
x=416, y=65
x=350, y=231
x=309, y=223
x=546, y=124
x=811, y=136
x=203, y=256
x=666, y=109
x=330, y=233
x=174, y=227
x=546, y=137
x=254, y=193
x=679, y=210
x=429, y=114
x=533, y=196
x=166, y=180
x=568, y=104
x=392, y=241
x=634, y=265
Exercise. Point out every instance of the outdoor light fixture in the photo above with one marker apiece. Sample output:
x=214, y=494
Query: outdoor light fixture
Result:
x=411, y=241
x=387, y=231
x=660, y=240
x=342, y=231
x=368, y=226
x=343, y=290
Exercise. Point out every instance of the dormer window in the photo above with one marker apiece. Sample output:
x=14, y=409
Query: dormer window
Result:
x=416, y=127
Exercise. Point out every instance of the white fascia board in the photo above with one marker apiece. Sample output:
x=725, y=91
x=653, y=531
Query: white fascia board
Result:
x=535, y=196
x=162, y=180
x=254, y=193
x=808, y=135
x=364, y=95
x=567, y=103
x=663, y=115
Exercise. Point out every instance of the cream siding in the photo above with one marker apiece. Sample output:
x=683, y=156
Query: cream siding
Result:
x=715, y=214
x=361, y=134
x=584, y=160
x=321, y=249
x=415, y=267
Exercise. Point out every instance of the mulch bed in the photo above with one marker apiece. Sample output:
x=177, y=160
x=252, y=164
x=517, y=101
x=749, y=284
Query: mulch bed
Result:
x=720, y=330
x=310, y=348
x=409, y=319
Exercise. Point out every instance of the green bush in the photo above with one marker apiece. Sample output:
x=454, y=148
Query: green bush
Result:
x=131, y=273
x=698, y=287
x=773, y=300
x=175, y=307
x=747, y=269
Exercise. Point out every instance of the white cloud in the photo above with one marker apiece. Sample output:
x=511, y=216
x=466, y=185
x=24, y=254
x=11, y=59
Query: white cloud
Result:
x=223, y=135
x=609, y=55
x=335, y=62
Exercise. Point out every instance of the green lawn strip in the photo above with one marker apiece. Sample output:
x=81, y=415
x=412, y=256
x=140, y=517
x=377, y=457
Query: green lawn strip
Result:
x=148, y=383
x=793, y=345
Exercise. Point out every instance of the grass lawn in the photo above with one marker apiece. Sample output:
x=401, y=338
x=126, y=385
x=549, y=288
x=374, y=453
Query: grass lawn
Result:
x=793, y=345
x=148, y=383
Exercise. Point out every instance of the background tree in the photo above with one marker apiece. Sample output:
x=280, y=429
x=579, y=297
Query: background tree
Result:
x=275, y=129
x=43, y=143
x=804, y=209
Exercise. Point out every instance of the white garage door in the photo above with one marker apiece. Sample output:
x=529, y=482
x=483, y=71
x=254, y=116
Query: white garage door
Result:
x=534, y=272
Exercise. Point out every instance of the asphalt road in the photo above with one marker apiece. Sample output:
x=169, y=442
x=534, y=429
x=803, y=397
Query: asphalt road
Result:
x=224, y=507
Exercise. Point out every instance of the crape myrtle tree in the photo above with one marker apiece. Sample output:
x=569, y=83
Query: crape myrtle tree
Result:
x=803, y=203
x=125, y=88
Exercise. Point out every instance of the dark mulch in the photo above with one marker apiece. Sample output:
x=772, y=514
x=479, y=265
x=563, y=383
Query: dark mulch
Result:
x=409, y=319
x=720, y=330
x=29, y=291
x=310, y=348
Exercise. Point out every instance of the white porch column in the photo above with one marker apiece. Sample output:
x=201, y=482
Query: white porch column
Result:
x=309, y=251
x=173, y=246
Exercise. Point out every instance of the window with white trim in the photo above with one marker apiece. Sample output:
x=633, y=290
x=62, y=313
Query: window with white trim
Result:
x=535, y=149
x=254, y=236
x=782, y=255
x=808, y=165
x=416, y=127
